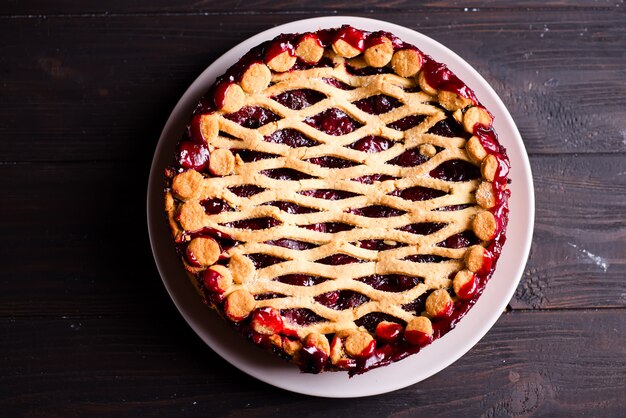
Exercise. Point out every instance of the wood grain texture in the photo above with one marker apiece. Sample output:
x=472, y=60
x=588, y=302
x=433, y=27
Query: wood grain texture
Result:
x=101, y=88
x=541, y=363
x=77, y=239
x=64, y=7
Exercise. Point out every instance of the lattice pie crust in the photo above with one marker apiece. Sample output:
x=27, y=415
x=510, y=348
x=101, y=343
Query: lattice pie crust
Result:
x=338, y=298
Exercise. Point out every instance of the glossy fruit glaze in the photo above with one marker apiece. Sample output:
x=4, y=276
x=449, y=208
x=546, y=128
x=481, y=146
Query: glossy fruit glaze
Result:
x=391, y=344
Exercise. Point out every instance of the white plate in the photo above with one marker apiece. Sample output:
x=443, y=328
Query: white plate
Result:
x=413, y=369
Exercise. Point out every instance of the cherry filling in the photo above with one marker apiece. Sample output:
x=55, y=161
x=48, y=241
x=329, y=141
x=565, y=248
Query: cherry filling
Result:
x=338, y=84
x=389, y=332
x=394, y=283
x=291, y=244
x=193, y=155
x=453, y=208
x=261, y=260
x=426, y=258
x=340, y=300
x=215, y=206
x=409, y=158
x=291, y=207
x=254, y=224
x=329, y=227
x=365, y=71
x=246, y=190
x=292, y=138
x=333, y=122
x=339, y=259
x=376, y=211
x=418, y=193
x=312, y=359
x=372, y=144
x=249, y=156
x=449, y=128
x=253, y=117
x=423, y=228
x=301, y=316
x=379, y=244
x=276, y=48
x=407, y=122
x=328, y=194
x=299, y=99
x=379, y=104
x=456, y=170
x=440, y=77
x=301, y=279
x=461, y=240
x=332, y=162
x=373, y=178
x=285, y=174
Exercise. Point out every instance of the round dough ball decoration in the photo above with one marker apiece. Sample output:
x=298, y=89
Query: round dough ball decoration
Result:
x=419, y=331
x=378, y=51
x=309, y=49
x=407, y=62
x=256, y=78
x=349, y=42
x=280, y=57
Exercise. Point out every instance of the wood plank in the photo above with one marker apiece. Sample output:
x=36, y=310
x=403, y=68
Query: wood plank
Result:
x=76, y=244
x=42, y=7
x=101, y=87
x=540, y=363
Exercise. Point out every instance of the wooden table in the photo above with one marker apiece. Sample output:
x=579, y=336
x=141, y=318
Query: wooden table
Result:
x=87, y=327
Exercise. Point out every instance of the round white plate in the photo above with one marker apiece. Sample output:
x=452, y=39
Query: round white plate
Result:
x=435, y=357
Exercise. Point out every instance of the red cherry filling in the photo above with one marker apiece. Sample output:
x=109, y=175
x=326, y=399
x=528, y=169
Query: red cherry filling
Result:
x=354, y=37
x=417, y=338
x=291, y=207
x=391, y=282
x=210, y=279
x=461, y=240
x=409, y=158
x=253, y=117
x=254, y=224
x=378, y=244
x=301, y=316
x=328, y=194
x=456, y=170
x=376, y=211
x=372, y=144
x=193, y=155
x=426, y=258
x=329, y=227
x=332, y=162
x=440, y=77
x=377, y=105
x=300, y=279
x=291, y=244
x=468, y=290
x=371, y=320
x=299, y=99
x=389, y=331
x=285, y=174
x=277, y=48
x=292, y=138
x=338, y=84
x=341, y=299
x=449, y=128
x=339, y=259
x=248, y=156
x=260, y=260
x=418, y=193
x=333, y=122
x=423, y=228
x=407, y=123
x=219, y=97
x=246, y=190
x=312, y=359
x=373, y=178
x=215, y=206
x=266, y=321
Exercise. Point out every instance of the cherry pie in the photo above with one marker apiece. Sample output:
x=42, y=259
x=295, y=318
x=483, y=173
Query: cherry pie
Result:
x=340, y=198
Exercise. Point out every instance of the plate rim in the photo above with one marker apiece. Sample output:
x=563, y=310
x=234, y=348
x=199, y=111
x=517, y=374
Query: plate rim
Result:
x=257, y=363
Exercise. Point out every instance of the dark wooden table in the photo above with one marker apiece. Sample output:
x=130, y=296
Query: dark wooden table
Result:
x=86, y=326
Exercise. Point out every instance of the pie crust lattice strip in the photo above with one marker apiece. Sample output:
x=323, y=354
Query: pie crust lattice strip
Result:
x=340, y=198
